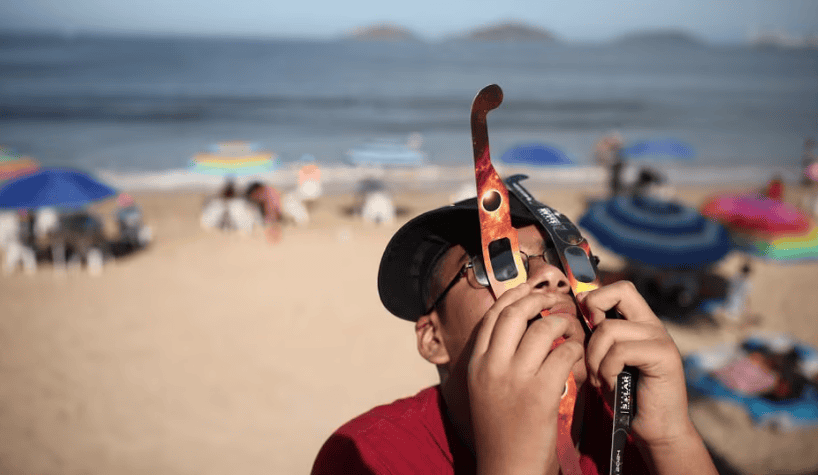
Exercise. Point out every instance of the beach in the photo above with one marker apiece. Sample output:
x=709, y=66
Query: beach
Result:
x=214, y=353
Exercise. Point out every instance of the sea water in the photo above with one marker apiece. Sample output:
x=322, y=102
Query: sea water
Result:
x=147, y=105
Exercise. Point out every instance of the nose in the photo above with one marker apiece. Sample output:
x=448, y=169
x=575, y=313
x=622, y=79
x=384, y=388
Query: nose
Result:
x=547, y=277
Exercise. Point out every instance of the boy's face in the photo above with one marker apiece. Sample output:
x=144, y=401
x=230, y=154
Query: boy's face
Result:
x=459, y=313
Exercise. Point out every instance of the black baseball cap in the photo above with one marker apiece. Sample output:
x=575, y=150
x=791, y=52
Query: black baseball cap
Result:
x=415, y=248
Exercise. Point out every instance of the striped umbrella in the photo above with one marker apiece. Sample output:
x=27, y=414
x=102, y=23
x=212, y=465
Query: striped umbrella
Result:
x=13, y=165
x=799, y=247
x=657, y=233
x=63, y=187
x=234, y=159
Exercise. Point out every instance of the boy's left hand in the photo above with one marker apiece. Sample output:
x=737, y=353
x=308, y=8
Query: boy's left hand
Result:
x=639, y=340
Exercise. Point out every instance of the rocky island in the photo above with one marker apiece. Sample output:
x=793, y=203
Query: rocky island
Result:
x=660, y=37
x=383, y=32
x=510, y=31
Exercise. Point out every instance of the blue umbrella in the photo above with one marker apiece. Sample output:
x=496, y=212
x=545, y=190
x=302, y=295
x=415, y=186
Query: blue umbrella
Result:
x=661, y=149
x=536, y=154
x=53, y=187
x=657, y=233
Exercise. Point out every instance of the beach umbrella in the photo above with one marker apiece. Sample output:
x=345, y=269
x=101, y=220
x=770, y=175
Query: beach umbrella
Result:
x=756, y=215
x=13, y=165
x=657, y=233
x=234, y=159
x=539, y=155
x=790, y=248
x=662, y=149
x=765, y=227
x=53, y=187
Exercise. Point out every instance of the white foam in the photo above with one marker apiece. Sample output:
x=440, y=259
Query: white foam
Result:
x=339, y=177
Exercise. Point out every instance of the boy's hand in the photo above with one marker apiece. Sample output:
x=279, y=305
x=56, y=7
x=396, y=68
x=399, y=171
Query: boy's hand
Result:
x=516, y=381
x=640, y=340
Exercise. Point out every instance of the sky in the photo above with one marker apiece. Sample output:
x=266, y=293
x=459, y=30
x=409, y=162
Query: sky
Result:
x=577, y=20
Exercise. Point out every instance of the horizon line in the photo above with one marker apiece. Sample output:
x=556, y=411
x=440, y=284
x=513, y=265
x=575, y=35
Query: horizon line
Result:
x=69, y=33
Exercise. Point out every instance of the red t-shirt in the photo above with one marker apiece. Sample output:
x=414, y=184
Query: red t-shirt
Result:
x=410, y=436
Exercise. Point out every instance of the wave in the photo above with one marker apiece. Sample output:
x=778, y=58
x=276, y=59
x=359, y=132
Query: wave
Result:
x=353, y=111
x=339, y=178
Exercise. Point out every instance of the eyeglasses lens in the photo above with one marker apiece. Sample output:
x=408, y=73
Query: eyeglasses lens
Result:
x=479, y=270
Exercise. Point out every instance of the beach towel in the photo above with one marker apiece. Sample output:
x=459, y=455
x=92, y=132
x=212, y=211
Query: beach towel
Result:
x=772, y=376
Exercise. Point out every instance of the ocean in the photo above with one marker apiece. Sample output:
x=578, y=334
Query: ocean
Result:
x=146, y=105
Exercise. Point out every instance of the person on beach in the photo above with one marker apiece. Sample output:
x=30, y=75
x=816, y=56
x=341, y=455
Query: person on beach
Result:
x=309, y=183
x=133, y=233
x=774, y=189
x=496, y=406
x=809, y=163
x=268, y=200
x=608, y=153
x=228, y=191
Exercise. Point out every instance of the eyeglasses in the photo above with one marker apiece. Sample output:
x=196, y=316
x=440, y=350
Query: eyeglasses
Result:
x=479, y=278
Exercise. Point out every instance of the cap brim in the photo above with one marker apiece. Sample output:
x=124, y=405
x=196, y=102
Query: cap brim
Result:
x=415, y=248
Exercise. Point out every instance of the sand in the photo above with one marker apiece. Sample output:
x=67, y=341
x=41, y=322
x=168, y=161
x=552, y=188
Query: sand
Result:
x=214, y=353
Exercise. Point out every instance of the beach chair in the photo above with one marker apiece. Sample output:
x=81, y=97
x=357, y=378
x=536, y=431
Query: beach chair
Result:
x=214, y=214
x=243, y=216
x=378, y=208
x=13, y=244
x=292, y=208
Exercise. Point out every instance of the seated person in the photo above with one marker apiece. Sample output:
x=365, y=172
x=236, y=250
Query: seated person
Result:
x=309, y=183
x=647, y=182
x=79, y=234
x=496, y=407
x=268, y=201
x=229, y=190
x=132, y=231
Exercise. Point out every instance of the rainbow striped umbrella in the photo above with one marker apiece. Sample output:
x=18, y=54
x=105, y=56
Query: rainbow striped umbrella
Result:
x=234, y=159
x=657, y=233
x=800, y=247
x=765, y=227
x=13, y=165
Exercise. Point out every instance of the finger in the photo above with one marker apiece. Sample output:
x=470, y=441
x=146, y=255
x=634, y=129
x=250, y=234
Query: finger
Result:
x=610, y=332
x=538, y=339
x=513, y=322
x=481, y=341
x=554, y=371
x=650, y=357
x=621, y=295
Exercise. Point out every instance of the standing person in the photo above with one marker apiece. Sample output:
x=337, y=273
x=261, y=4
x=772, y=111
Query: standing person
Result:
x=774, y=189
x=809, y=163
x=738, y=290
x=495, y=409
x=608, y=153
x=309, y=183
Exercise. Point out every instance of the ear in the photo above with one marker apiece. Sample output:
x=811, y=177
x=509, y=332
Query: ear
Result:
x=430, y=341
